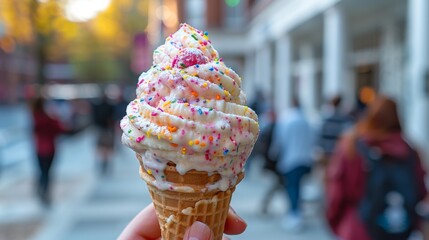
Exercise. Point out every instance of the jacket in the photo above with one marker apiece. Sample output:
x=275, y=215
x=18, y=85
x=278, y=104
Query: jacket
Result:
x=46, y=130
x=346, y=184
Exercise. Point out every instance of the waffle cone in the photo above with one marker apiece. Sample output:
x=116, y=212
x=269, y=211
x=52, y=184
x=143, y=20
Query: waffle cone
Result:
x=177, y=211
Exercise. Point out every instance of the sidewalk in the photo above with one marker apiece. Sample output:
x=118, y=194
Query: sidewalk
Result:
x=87, y=207
x=21, y=214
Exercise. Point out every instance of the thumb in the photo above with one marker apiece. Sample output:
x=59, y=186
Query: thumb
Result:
x=199, y=231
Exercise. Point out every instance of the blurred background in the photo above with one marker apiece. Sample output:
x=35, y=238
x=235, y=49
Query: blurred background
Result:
x=83, y=58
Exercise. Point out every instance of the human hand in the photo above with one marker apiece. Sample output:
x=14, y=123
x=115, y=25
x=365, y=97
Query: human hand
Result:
x=145, y=226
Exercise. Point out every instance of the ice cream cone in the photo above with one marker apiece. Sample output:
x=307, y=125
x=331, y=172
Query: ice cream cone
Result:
x=178, y=210
x=192, y=132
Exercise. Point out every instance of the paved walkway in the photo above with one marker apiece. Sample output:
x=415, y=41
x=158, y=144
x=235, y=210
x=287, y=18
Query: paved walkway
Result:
x=87, y=207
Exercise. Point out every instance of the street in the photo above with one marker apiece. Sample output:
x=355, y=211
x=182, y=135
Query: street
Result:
x=89, y=206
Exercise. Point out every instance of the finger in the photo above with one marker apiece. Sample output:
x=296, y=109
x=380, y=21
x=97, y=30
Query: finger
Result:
x=200, y=231
x=234, y=224
x=144, y=226
x=226, y=238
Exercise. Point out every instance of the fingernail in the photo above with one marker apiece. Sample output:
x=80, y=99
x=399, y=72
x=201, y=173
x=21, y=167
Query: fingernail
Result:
x=198, y=231
x=236, y=215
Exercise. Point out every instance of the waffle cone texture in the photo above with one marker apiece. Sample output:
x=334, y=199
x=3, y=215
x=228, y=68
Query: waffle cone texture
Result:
x=177, y=211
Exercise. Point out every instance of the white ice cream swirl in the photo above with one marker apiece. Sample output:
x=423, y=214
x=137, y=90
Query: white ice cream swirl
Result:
x=190, y=110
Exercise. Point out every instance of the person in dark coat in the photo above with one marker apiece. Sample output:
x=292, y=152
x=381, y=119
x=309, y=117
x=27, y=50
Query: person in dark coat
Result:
x=270, y=162
x=334, y=124
x=103, y=117
x=380, y=127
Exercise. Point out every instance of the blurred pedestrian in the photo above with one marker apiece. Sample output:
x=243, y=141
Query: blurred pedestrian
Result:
x=293, y=142
x=46, y=130
x=259, y=103
x=335, y=122
x=375, y=179
x=270, y=162
x=103, y=117
x=120, y=110
x=358, y=109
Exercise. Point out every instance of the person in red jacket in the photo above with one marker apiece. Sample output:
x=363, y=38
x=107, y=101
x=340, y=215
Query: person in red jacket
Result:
x=379, y=127
x=46, y=130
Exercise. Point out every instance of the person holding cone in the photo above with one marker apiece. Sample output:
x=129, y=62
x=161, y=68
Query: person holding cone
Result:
x=192, y=133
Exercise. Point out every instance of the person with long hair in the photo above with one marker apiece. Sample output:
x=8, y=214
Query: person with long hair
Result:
x=379, y=128
x=46, y=130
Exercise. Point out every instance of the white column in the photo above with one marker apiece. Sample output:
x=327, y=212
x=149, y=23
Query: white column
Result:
x=283, y=75
x=264, y=80
x=248, y=82
x=333, y=57
x=257, y=70
x=390, y=61
x=307, y=81
x=418, y=103
x=267, y=71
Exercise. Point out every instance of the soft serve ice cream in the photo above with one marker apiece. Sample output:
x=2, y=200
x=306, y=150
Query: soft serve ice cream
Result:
x=190, y=110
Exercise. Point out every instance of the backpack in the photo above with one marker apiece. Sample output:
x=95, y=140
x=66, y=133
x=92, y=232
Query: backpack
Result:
x=391, y=195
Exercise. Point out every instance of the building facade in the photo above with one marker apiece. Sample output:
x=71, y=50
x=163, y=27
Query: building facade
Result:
x=315, y=50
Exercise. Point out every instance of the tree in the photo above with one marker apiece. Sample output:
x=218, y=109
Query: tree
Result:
x=99, y=49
